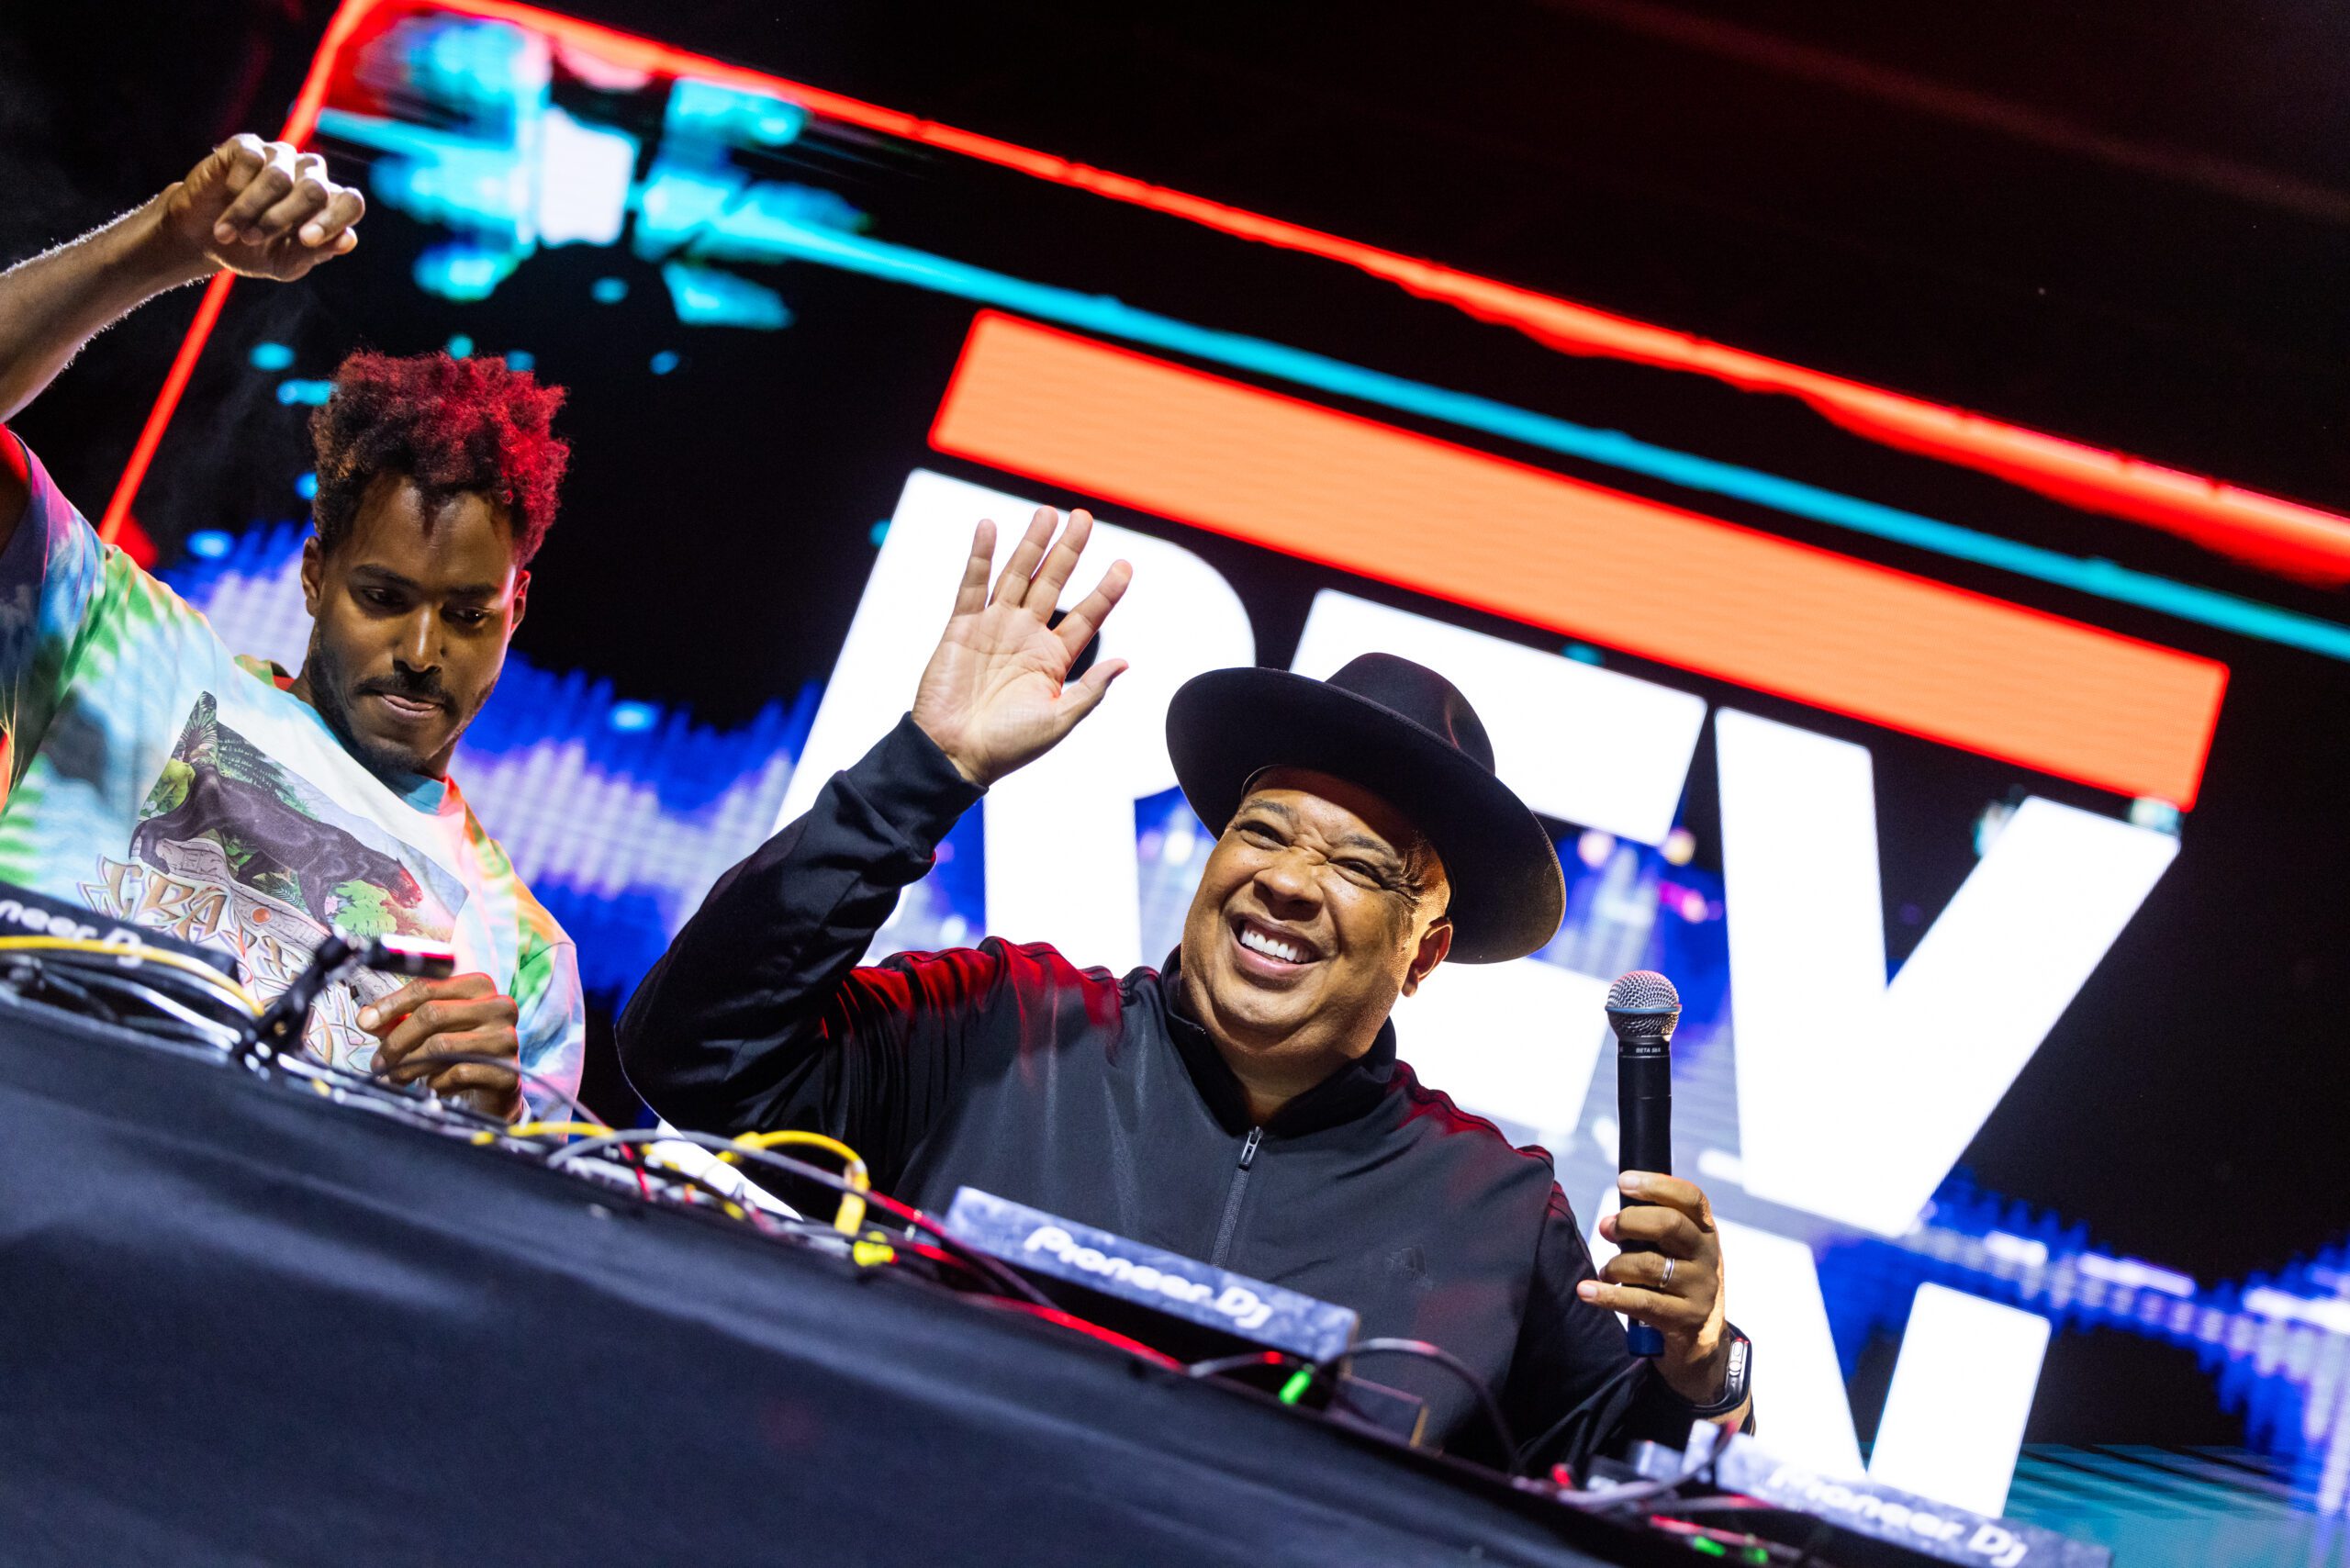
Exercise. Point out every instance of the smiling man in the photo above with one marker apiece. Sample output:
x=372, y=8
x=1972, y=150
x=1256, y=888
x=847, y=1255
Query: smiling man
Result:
x=154, y=777
x=1244, y=1106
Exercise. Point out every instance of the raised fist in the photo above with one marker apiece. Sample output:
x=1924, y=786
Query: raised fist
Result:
x=262, y=209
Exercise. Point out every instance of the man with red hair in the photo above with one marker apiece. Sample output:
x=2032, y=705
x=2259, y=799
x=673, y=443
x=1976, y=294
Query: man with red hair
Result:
x=160, y=781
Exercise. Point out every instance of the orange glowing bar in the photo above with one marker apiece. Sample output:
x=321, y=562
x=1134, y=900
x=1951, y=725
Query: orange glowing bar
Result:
x=1897, y=650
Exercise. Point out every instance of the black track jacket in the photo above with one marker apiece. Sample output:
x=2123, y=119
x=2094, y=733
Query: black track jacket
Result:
x=1010, y=1070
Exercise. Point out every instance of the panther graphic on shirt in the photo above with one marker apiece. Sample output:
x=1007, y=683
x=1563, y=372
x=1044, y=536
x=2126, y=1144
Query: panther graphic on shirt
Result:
x=234, y=851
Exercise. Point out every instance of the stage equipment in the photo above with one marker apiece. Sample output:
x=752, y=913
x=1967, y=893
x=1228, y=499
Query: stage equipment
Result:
x=122, y=974
x=243, y=1319
x=1642, y=1008
x=1841, y=1519
x=280, y=1028
x=1176, y=1304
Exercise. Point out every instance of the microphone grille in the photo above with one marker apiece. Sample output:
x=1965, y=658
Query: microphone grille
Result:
x=1644, y=991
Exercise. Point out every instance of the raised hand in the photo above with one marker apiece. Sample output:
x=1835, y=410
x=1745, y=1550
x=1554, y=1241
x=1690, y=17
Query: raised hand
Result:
x=262, y=209
x=995, y=695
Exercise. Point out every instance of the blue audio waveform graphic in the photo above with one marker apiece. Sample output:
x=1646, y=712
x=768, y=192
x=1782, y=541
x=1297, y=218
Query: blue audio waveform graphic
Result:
x=2278, y=1346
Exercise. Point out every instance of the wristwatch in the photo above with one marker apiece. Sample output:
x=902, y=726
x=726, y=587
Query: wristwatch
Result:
x=1736, y=1379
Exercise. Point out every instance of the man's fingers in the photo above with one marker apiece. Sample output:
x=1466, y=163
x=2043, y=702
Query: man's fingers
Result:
x=447, y=1015
x=1085, y=696
x=1095, y=686
x=1650, y=1187
x=1669, y=1230
x=308, y=198
x=214, y=184
x=1060, y=562
x=267, y=186
x=477, y=1036
x=1647, y=1270
x=446, y=1078
x=1012, y=588
x=1080, y=625
x=233, y=163
x=378, y=1016
x=971, y=593
x=432, y=1007
x=1644, y=1305
x=211, y=172
x=344, y=207
x=473, y=1075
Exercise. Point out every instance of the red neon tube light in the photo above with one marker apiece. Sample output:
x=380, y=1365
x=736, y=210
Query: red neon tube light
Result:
x=2265, y=531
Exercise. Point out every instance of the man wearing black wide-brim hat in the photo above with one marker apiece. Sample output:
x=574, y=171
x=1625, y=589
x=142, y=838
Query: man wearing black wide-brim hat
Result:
x=1244, y=1106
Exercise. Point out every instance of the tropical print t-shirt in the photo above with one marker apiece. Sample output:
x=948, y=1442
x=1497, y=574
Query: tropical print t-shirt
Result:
x=161, y=781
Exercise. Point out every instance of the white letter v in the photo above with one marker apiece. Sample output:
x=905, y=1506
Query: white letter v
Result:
x=1854, y=1098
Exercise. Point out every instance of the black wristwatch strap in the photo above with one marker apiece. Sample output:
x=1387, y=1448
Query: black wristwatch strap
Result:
x=1738, y=1379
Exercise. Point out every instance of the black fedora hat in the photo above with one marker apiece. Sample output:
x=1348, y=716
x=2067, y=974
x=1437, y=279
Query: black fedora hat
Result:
x=1405, y=733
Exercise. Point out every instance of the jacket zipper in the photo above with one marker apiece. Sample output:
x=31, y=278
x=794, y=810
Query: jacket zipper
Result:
x=1224, y=1232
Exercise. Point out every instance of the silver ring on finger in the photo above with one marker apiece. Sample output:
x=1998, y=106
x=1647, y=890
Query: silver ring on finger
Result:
x=1666, y=1283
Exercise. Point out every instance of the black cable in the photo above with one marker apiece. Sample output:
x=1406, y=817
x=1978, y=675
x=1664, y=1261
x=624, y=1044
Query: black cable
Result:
x=1590, y=1405
x=1217, y=1366
x=279, y=1029
x=39, y=976
x=1601, y=1502
x=1001, y=1276
x=378, y=1095
x=1459, y=1367
x=182, y=1023
x=182, y=987
x=1822, y=1532
x=453, y=1057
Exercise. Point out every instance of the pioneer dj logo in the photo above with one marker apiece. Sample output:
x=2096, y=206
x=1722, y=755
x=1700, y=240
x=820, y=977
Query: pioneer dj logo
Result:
x=1244, y=1307
x=1991, y=1543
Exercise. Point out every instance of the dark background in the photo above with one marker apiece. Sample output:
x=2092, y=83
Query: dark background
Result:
x=2124, y=224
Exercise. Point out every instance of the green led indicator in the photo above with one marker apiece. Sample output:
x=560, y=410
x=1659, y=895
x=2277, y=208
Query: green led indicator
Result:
x=1710, y=1548
x=1295, y=1389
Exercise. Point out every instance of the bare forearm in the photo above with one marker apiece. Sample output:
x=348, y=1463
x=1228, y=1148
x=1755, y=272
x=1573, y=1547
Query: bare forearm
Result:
x=259, y=208
x=54, y=303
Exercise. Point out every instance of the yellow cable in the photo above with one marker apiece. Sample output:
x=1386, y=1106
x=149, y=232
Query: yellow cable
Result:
x=130, y=955
x=850, y=1217
x=539, y=1130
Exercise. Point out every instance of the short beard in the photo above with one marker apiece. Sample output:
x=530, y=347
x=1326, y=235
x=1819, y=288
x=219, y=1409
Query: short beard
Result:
x=327, y=684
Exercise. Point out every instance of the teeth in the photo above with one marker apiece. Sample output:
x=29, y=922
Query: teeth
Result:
x=1288, y=952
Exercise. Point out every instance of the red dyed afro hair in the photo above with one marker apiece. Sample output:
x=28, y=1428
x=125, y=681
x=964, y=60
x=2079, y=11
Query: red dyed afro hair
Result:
x=453, y=426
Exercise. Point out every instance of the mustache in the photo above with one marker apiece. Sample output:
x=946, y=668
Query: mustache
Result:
x=426, y=689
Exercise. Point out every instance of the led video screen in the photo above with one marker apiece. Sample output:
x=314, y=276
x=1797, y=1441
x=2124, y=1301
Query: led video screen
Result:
x=1887, y=733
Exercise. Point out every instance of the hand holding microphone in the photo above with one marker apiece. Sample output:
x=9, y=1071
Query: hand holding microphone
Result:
x=1667, y=1276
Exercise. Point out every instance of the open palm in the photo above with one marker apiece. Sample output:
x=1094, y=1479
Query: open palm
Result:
x=996, y=695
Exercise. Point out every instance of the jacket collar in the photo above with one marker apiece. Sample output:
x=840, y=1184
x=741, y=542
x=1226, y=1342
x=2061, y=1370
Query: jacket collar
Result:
x=1346, y=1095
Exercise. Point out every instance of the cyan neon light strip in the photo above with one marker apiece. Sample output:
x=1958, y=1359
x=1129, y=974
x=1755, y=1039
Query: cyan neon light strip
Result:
x=1111, y=317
